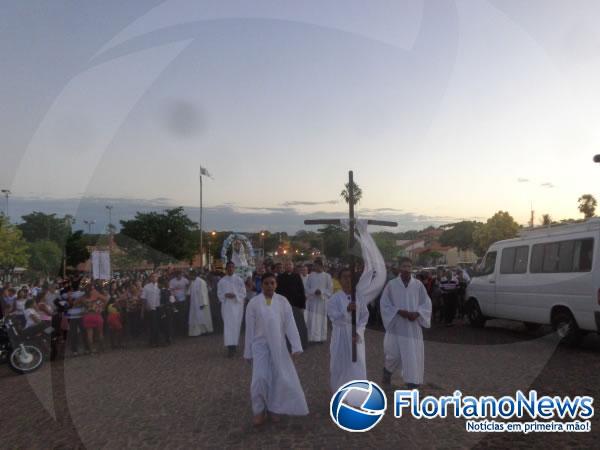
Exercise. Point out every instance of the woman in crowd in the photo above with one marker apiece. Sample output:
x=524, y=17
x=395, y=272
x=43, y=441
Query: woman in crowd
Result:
x=115, y=324
x=94, y=303
x=133, y=309
x=19, y=307
x=31, y=314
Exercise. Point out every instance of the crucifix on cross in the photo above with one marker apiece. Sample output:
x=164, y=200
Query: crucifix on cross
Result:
x=351, y=242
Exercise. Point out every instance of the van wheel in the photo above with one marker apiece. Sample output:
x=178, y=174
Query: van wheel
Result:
x=474, y=314
x=532, y=326
x=566, y=327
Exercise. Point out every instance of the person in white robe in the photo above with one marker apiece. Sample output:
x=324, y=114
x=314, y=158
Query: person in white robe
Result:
x=405, y=310
x=200, y=320
x=275, y=387
x=339, y=310
x=304, y=274
x=319, y=288
x=231, y=292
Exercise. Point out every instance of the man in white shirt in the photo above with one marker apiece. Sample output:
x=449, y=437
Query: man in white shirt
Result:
x=179, y=288
x=231, y=292
x=151, y=297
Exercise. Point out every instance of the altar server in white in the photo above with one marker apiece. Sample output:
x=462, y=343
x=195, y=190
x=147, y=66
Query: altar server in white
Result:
x=200, y=321
x=339, y=310
x=405, y=310
x=275, y=387
x=319, y=288
x=231, y=292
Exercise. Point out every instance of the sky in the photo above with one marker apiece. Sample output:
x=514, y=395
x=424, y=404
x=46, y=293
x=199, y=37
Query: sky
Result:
x=445, y=110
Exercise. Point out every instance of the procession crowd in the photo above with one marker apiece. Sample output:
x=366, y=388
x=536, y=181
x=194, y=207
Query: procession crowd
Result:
x=284, y=308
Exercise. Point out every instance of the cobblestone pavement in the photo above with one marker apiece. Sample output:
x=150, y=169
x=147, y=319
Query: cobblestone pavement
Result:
x=190, y=395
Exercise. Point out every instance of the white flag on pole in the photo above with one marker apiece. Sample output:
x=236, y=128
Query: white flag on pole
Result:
x=204, y=171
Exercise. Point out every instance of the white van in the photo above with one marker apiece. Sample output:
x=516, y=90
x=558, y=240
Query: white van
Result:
x=545, y=276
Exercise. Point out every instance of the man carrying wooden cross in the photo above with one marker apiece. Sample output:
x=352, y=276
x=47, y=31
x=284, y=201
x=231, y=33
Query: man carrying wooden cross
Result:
x=347, y=344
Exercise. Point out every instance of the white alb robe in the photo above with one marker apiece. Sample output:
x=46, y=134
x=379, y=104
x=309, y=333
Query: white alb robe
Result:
x=342, y=369
x=275, y=384
x=403, y=342
x=316, y=305
x=232, y=309
x=200, y=321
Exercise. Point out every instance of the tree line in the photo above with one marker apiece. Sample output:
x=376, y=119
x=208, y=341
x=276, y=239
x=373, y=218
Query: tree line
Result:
x=45, y=243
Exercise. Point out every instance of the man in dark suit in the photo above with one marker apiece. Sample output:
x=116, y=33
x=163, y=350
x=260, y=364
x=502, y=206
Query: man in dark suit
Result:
x=290, y=285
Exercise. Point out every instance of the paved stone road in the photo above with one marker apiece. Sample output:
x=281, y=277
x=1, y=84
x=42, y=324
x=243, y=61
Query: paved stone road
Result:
x=190, y=395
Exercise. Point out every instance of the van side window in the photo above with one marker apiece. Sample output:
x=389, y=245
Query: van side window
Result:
x=507, y=261
x=514, y=259
x=550, y=264
x=565, y=256
x=583, y=255
x=562, y=257
x=490, y=264
x=537, y=258
x=521, y=257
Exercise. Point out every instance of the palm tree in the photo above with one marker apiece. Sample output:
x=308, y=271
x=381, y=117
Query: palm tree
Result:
x=345, y=194
x=546, y=220
x=587, y=205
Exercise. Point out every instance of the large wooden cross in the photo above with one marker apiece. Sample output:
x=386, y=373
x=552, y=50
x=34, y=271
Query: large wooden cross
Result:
x=351, y=242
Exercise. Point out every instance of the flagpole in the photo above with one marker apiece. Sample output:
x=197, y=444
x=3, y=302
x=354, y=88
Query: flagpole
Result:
x=200, y=224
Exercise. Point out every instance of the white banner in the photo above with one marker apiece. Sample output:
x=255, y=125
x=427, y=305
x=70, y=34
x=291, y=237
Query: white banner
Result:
x=101, y=265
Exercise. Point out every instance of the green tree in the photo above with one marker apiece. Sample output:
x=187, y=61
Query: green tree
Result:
x=124, y=261
x=500, y=226
x=39, y=226
x=587, y=205
x=335, y=241
x=13, y=248
x=345, y=194
x=159, y=237
x=305, y=238
x=459, y=235
x=546, y=220
x=408, y=235
x=272, y=240
x=386, y=242
x=76, y=249
x=45, y=256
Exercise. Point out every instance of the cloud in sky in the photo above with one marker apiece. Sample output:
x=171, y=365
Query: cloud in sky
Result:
x=308, y=203
x=221, y=217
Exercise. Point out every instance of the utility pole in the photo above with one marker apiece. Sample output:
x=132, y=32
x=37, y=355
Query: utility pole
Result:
x=203, y=171
x=6, y=193
x=89, y=224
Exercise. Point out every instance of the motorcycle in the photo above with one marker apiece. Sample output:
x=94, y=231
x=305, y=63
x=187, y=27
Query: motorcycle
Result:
x=22, y=349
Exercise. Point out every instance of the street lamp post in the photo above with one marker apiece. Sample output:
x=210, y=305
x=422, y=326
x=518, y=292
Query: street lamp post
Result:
x=109, y=227
x=212, y=236
x=69, y=221
x=6, y=193
x=89, y=224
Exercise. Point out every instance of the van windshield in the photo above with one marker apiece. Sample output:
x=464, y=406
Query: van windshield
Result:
x=488, y=265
